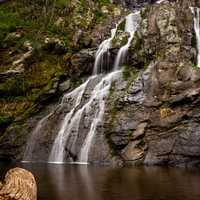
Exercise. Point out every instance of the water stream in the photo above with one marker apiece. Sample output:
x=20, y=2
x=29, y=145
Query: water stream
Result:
x=58, y=149
x=99, y=94
x=132, y=22
x=196, y=13
x=28, y=153
x=73, y=118
x=88, y=101
x=102, y=58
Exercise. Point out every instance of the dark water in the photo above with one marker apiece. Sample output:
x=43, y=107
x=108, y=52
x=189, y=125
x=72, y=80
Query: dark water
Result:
x=75, y=182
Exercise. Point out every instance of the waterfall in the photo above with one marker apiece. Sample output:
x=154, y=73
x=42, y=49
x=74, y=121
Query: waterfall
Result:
x=73, y=118
x=102, y=89
x=99, y=94
x=87, y=106
x=132, y=22
x=58, y=149
x=28, y=153
x=102, y=59
x=196, y=13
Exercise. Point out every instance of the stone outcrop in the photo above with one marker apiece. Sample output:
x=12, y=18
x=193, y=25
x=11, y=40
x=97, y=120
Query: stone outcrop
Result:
x=156, y=119
x=19, y=184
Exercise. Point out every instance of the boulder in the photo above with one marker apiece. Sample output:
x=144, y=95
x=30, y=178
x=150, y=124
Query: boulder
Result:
x=19, y=184
x=63, y=87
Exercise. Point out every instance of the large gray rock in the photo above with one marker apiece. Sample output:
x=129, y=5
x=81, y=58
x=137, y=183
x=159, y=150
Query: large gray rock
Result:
x=164, y=97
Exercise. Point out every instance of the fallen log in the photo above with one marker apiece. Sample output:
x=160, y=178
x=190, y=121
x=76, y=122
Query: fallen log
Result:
x=19, y=184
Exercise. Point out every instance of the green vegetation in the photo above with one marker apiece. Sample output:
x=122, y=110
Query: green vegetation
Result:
x=99, y=16
x=9, y=21
x=112, y=89
x=19, y=94
x=60, y=3
x=30, y=22
x=130, y=72
x=142, y=142
x=115, y=108
x=121, y=26
x=5, y=120
x=114, y=149
x=104, y=2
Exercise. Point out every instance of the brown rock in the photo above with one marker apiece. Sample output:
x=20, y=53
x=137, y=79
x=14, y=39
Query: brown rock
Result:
x=19, y=184
x=132, y=152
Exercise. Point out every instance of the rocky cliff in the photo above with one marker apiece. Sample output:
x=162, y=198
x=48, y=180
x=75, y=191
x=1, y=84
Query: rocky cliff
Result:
x=151, y=115
x=155, y=119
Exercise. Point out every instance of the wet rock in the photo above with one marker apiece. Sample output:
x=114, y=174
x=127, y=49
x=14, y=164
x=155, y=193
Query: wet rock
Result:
x=120, y=40
x=163, y=100
x=81, y=63
x=120, y=140
x=117, y=162
x=140, y=131
x=133, y=153
x=63, y=87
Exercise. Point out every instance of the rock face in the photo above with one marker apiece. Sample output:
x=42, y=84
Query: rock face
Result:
x=156, y=121
x=19, y=184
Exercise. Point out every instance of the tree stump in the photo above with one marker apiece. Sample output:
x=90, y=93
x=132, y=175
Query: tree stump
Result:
x=19, y=184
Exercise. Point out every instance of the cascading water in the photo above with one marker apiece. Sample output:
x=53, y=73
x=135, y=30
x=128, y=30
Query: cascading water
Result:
x=58, y=149
x=99, y=94
x=88, y=106
x=132, y=21
x=196, y=13
x=72, y=119
x=160, y=1
x=32, y=140
x=103, y=55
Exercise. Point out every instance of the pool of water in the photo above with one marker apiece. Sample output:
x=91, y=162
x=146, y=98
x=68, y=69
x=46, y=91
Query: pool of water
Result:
x=82, y=182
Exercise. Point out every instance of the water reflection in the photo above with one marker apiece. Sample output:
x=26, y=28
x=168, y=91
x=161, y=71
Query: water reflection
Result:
x=75, y=182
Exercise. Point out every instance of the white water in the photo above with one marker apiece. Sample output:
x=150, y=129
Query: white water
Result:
x=33, y=139
x=73, y=118
x=103, y=55
x=58, y=149
x=196, y=13
x=93, y=106
x=160, y=1
x=132, y=22
x=99, y=94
